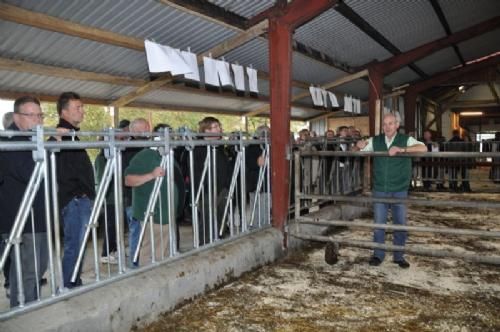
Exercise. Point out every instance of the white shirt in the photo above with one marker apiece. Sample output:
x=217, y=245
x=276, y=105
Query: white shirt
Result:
x=388, y=141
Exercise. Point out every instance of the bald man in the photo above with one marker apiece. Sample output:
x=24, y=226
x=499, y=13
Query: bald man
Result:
x=391, y=179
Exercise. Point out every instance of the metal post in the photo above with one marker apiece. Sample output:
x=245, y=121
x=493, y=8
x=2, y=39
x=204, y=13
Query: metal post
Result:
x=194, y=203
x=48, y=224
x=55, y=209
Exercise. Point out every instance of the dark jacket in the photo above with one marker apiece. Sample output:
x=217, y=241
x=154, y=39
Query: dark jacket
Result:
x=252, y=153
x=16, y=168
x=75, y=174
x=224, y=170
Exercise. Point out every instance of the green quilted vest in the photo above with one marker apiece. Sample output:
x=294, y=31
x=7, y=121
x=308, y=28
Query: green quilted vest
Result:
x=391, y=174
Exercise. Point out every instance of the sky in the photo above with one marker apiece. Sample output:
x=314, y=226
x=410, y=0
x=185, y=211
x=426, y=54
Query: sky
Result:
x=5, y=106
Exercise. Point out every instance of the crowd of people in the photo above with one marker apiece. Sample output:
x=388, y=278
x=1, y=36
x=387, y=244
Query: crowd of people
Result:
x=78, y=177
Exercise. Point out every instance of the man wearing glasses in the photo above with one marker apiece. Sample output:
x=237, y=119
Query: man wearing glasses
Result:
x=16, y=168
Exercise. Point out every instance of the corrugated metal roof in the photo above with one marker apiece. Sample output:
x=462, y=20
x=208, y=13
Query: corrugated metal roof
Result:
x=246, y=8
x=439, y=61
x=461, y=14
x=335, y=36
x=402, y=76
x=406, y=24
x=357, y=88
x=51, y=48
x=481, y=46
x=31, y=83
x=140, y=19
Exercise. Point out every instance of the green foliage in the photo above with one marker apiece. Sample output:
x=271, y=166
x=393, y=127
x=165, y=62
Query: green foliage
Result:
x=97, y=119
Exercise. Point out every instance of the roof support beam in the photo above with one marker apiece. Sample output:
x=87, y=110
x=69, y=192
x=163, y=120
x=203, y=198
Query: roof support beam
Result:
x=201, y=9
x=375, y=100
x=75, y=74
x=413, y=90
x=26, y=17
x=216, y=51
x=455, y=73
x=494, y=92
x=397, y=62
x=280, y=63
x=373, y=33
x=442, y=18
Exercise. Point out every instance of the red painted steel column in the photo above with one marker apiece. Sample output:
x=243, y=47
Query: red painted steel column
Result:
x=374, y=93
x=280, y=62
x=410, y=109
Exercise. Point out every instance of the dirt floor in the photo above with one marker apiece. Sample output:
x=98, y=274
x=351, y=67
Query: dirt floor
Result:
x=303, y=293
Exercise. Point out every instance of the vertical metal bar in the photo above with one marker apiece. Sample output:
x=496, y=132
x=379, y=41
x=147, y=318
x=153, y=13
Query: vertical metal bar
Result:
x=96, y=254
x=19, y=272
x=48, y=224
x=268, y=180
x=55, y=209
x=152, y=237
x=162, y=244
x=35, y=257
x=106, y=236
x=215, y=194
x=171, y=205
x=194, y=203
x=210, y=195
x=297, y=185
x=119, y=218
x=243, y=186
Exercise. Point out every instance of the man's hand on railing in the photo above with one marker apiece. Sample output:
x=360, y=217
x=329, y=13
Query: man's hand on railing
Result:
x=361, y=144
x=157, y=172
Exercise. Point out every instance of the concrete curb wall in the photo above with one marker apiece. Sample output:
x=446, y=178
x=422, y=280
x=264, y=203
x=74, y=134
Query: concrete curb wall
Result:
x=140, y=299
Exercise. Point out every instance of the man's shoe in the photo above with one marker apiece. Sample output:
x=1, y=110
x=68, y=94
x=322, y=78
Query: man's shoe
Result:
x=402, y=264
x=374, y=261
x=331, y=253
x=112, y=258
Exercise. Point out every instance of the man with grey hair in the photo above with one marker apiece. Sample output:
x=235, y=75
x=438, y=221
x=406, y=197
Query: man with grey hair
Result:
x=391, y=179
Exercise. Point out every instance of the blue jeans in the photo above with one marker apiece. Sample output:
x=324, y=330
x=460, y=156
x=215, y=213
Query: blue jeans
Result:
x=76, y=216
x=134, y=232
x=380, y=211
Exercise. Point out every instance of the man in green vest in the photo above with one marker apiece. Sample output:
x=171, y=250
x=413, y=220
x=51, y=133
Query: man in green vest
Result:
x=391, y=179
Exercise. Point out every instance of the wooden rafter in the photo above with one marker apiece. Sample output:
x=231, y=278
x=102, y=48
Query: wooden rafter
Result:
x=26, y=17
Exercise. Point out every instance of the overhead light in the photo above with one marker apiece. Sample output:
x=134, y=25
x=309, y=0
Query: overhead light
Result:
x=462, y=88
x=471, y=113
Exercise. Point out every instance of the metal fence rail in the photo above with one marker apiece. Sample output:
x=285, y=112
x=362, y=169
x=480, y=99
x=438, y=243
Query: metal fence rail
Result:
x=302, y=197
x=211, y=207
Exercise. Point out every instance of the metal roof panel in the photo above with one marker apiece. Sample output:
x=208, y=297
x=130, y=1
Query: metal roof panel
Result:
x=335, y=36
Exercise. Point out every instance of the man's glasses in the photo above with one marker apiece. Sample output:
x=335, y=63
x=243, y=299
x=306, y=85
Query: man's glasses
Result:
x=40, y=115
